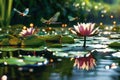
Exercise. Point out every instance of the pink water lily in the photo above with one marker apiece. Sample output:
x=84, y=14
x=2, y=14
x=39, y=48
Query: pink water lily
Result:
x=27, y=31
x=85, y=29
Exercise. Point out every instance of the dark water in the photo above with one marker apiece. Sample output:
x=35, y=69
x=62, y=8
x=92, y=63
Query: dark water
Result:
x=63, y=70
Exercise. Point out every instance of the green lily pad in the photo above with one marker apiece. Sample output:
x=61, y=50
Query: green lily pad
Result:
x=34, y=59
x=61, y=54
x=9, y=49
x=74, y=53
x=1, y=60
x=15, y=61
x=33, y=49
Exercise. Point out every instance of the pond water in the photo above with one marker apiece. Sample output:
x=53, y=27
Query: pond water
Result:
x=61, y=67
x=107, y=68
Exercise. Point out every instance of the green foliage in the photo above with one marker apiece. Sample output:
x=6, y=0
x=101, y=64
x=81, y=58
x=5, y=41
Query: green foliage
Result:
x=55, y=45
x=5, y=13
x=36, y=41
x=14, y=61
x=4, y=42
x=15, y=41
x=34, y=59
x=56, y=40
x=51, y=38
x=3, y=30
x=7, y=40
x=4, y=36
x=17, y=26
x=47, y=8
x=33, y=42
x=67, y=39
x=114, y=45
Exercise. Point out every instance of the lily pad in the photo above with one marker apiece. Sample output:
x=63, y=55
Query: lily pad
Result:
x=97, y=46
x=15, y=61
x=32, y=60
x=1, y=60
x=61, y=54
x=9, y=49
x=33, y=49
x=117, y=54
x=55, y=49
x=106, y=50
x=77, y=53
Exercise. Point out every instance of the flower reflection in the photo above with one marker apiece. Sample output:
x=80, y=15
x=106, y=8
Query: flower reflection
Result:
x=86, y=63
x=114, y=65
x=111, y=66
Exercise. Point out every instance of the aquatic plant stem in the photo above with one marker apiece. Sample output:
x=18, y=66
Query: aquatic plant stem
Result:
x=84, y=44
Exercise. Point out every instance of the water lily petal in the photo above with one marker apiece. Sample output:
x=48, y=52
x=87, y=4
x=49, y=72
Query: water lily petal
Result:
x=30, y=30
x=74, y=32
x=87, y=32
x=92, y=27
x=76, y=28
x=81, y=29
x=94, y=30
x=27, y=32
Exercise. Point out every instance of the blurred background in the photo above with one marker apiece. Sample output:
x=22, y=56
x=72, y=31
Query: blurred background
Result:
x=98, y=11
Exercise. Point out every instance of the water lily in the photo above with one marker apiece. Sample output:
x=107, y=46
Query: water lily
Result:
x=85, y=29
x=87, y=62
x=27, y=31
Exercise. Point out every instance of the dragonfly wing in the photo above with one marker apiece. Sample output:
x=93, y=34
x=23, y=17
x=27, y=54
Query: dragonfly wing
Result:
x=17, y=11
x=73, y=18
x=26, y=11
x=55, y=17
x=70, y=18
x=27, y=15
x=56, y=22
x=43, y=20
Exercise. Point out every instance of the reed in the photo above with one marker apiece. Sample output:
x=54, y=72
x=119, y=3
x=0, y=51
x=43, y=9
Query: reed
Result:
x=5, y=12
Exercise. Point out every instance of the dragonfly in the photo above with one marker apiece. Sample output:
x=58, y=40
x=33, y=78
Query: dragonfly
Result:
x=52, y=20
x=25, y=13
x=71, y=18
